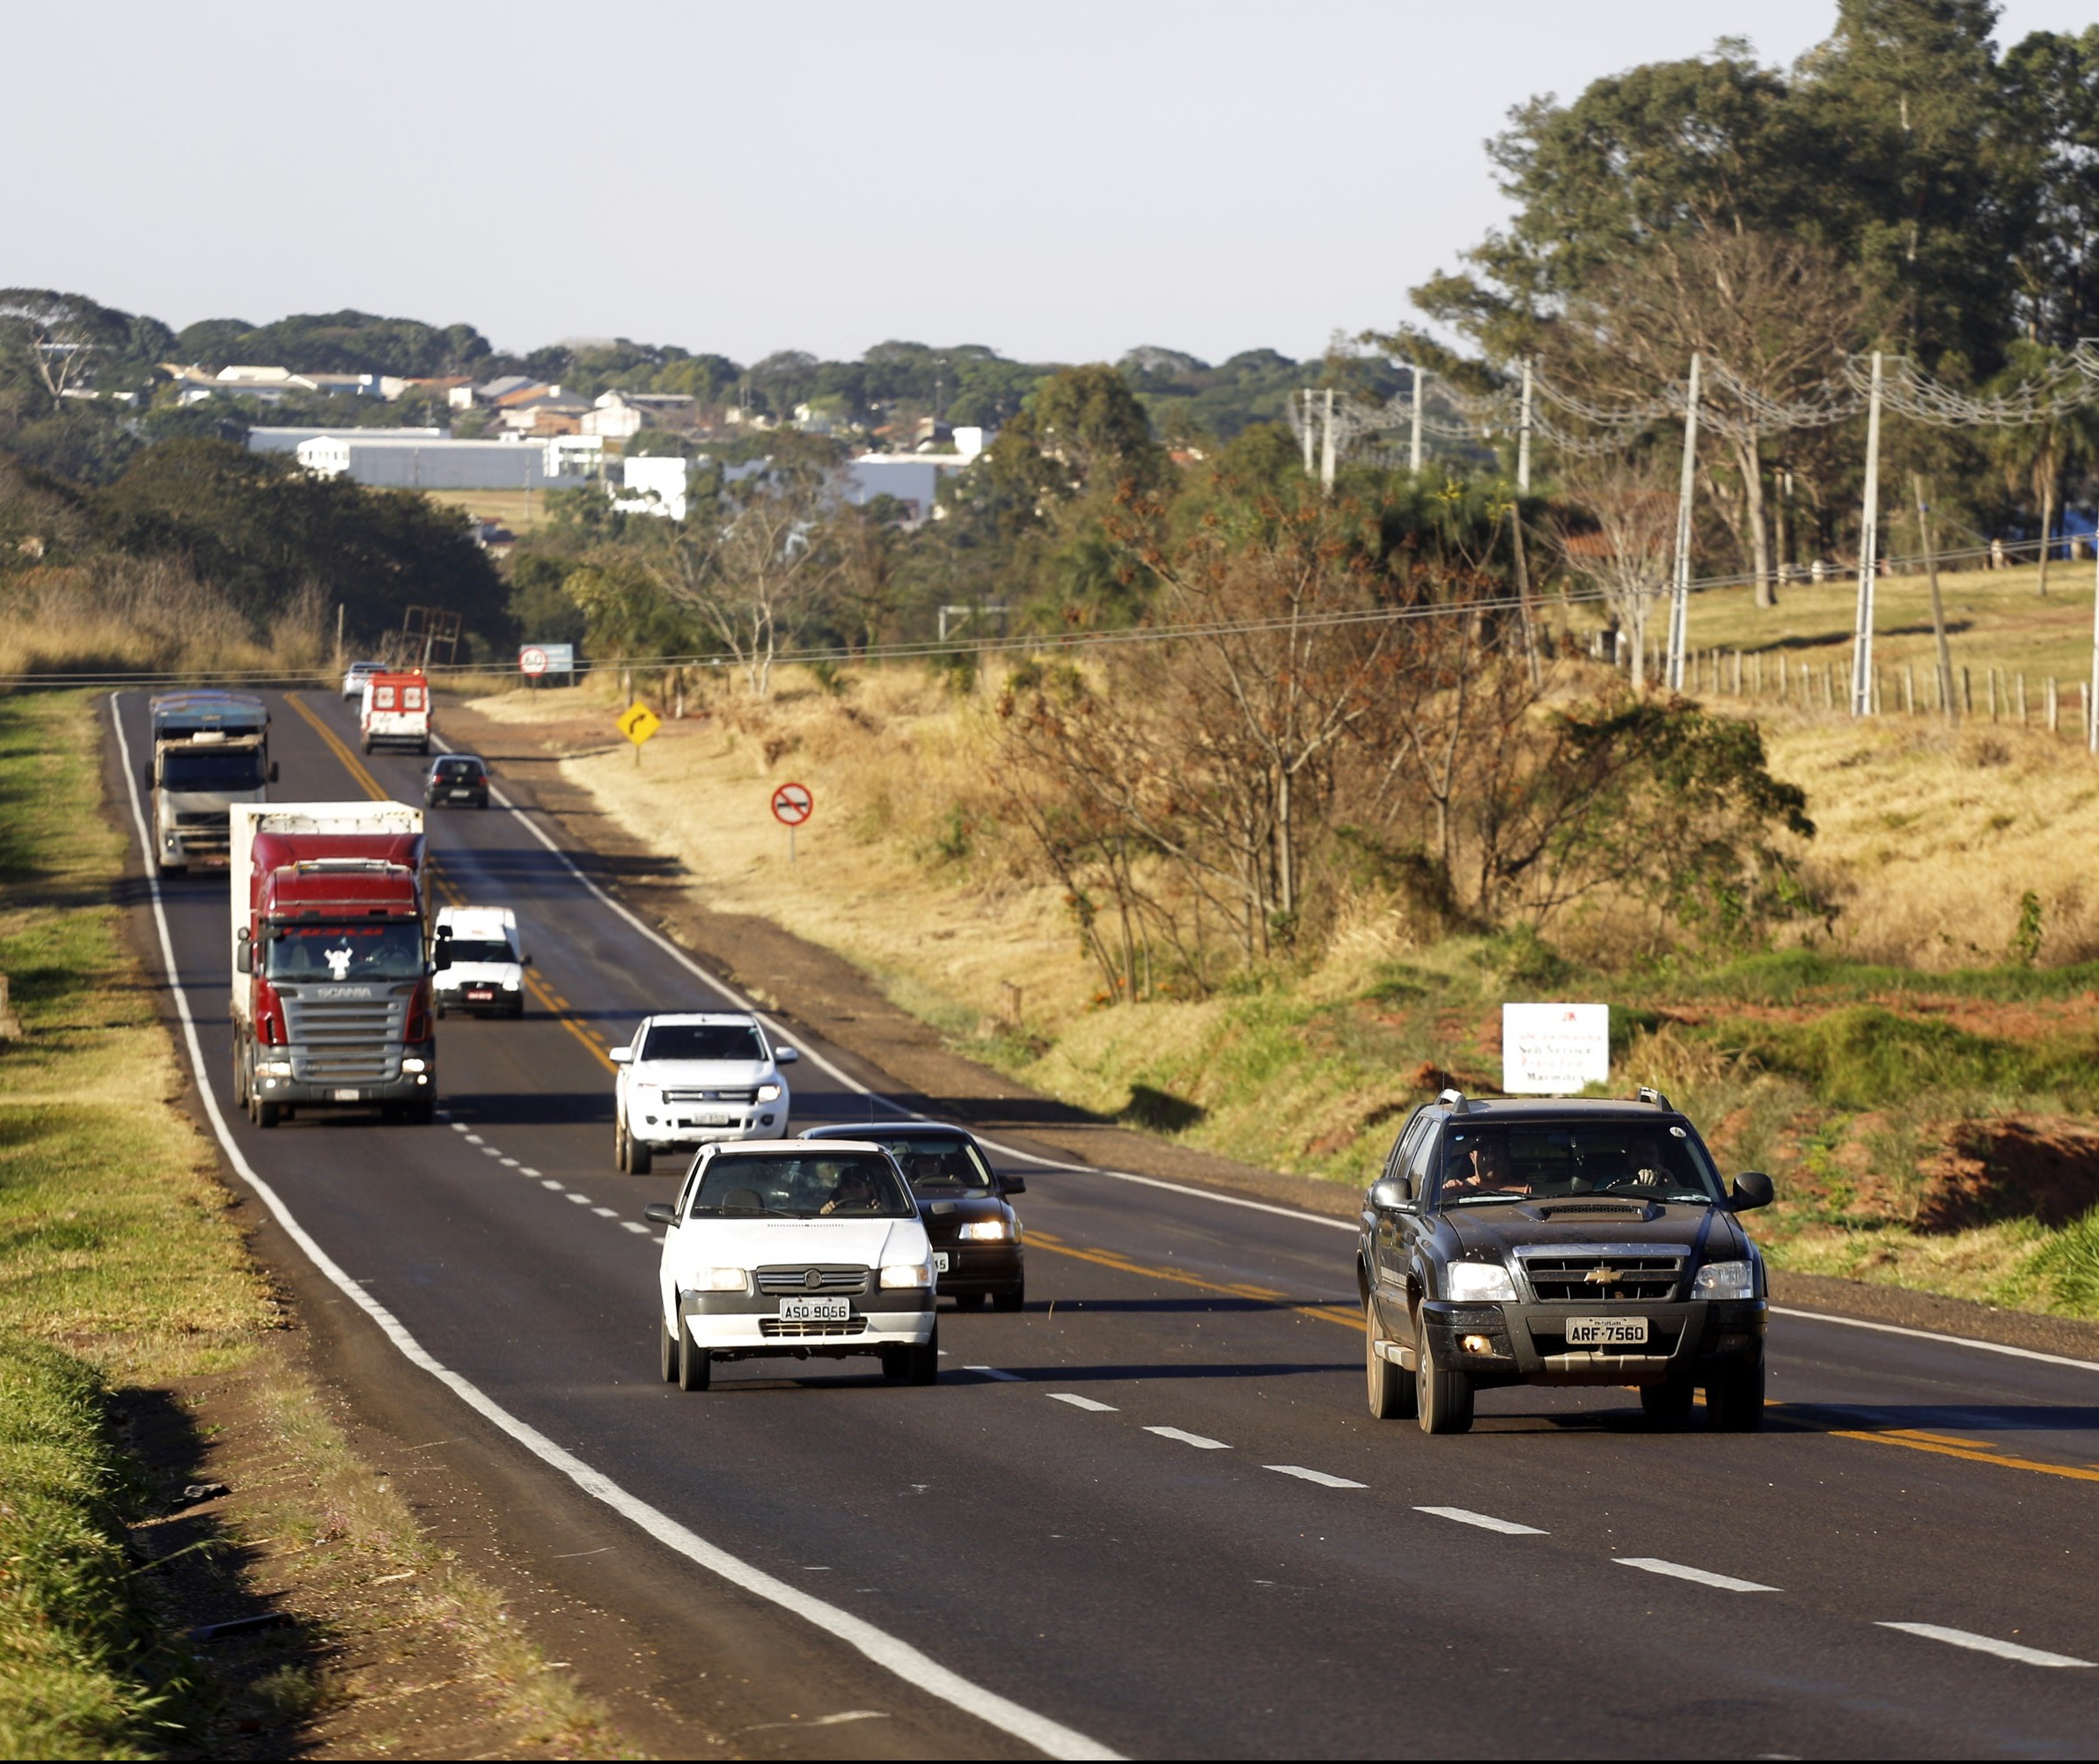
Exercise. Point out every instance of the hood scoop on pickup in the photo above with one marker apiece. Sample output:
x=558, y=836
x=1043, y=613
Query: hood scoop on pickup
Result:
x=1545, y=1212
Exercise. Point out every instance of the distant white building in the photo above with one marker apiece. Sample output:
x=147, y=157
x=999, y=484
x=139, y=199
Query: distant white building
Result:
x=268, y=439
x=651, y=483
x=912, y=478
x=413, y=464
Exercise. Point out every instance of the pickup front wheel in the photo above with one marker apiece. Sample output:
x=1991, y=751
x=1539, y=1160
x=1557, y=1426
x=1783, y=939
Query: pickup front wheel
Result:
x=1443, y=1400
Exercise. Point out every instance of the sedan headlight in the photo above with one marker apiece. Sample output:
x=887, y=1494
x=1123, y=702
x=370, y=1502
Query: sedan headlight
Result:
x=1725, y=1280
x=907, y=1274
x=1468, y=1281
x=768, y=1092
x=984, y=1232
x=722, y=1279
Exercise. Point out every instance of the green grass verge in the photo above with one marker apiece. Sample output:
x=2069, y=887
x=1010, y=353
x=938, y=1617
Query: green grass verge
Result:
x=116, y=1260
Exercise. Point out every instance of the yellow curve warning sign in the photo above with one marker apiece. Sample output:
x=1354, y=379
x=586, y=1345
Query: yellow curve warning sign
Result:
x=638, y=723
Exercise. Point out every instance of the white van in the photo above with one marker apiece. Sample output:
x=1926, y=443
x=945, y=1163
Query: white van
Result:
x=487, y=973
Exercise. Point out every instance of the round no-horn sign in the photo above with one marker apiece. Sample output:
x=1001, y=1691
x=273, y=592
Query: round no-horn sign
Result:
x=531, y=661
x=792, y=804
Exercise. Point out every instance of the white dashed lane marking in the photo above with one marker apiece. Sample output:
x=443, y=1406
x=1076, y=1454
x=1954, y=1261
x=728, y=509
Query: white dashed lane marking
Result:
x=1085, y=1402
x=1676, y=1570
x=549, y=1182
x=580, y=1200
x=473, y=1138
x=605, y=1212
x=509, y=1164
x=526, y=1170
x=1487, y=1522
x=1194, y=1439
x=1319, y=1476
x=629, y=1225
x=1987, y=1644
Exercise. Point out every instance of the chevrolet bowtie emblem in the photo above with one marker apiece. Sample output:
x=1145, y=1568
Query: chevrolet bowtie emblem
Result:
x=1602, y=1276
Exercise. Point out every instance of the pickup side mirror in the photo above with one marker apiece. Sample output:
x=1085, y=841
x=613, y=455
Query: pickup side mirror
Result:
x=621, y=1056
x=784, y=1056
x=1752, y=1188
x=660, y=1213
x=1014, y=1185
x=1393, y=1195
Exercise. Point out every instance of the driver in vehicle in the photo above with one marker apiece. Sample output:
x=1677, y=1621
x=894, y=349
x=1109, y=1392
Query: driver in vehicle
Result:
x=855, y=1192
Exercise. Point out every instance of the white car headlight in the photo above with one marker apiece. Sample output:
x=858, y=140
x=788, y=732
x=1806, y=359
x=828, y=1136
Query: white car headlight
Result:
x=984, y=1231
x=509, y=986
x=907, y=1274
x=1725, y=1280
x=768, y=1092
x=1467, y=1281
x=722, y=1279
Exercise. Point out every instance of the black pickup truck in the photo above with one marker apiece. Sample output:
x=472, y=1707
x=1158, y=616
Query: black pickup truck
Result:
x=1516, y=1241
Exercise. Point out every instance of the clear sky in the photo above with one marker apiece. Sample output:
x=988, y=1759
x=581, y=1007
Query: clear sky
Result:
x=1062, y=181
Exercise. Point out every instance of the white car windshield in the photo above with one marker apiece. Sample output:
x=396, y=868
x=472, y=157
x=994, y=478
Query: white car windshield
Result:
x=702, y=1042
x=480, y=949
x=822, y=1184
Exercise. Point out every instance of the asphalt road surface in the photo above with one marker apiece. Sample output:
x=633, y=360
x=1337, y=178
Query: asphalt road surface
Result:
x=1149, y=1516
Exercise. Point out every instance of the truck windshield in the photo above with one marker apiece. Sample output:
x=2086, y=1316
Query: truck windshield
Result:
x=375, y=950
x=821, y=1185
x=703, y=1042
x=211, y=769
x=1635, y=1161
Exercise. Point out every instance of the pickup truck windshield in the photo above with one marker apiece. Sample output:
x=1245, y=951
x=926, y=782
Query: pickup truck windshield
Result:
x=1637, y=1160
x=702, y=1042
x=821, y=1185
x=938, y=1165
x=371, y=951
x=211, y=769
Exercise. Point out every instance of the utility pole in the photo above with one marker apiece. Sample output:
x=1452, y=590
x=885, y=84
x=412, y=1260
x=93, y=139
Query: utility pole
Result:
x=1931, y=571
x=1307, y=431
x=2091, y=698
x=1679, y=604
x=1523, y=436
x=1413, y=445
x=1869, y=541
x=1327, y=448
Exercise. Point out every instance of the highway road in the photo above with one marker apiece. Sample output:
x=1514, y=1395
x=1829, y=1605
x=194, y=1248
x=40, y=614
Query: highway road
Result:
x=1149, y=1515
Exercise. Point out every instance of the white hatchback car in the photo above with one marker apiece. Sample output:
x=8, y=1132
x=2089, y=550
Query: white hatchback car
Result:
x=356, y=673
x=796, y=1247
x=693, y=1079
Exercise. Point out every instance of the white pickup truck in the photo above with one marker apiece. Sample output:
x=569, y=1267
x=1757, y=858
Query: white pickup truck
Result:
x=693, y=1079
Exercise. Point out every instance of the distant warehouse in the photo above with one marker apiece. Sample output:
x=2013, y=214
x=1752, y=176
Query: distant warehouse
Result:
x=416, y=463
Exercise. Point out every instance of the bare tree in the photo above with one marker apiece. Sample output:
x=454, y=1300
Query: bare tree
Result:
x=1621, y=537
x=56, y=337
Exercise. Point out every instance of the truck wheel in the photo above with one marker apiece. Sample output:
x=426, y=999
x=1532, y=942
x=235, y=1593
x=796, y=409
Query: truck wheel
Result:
x=167, y=869
x=422, y=1112
x=267, y=1113
x=240, y=1081
x=1443, y=1400
x=1735, y=1398
x=1668, y=1402
x=666, y=1351
x=696, y=1371
x=1391, y=1391
x=1014, y=1298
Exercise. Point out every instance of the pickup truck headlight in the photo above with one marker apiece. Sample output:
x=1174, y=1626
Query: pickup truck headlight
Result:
x=984, y=1231
x=1725, y=1280
x=1469, y=1280
x=907, y=1274
x=768, y=1092
x=722, y=1279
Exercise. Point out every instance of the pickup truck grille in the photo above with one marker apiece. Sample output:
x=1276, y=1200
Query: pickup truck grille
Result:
x=345, y=1040
x=710, y=1096
x=830, y=1280
x=1593, y=1277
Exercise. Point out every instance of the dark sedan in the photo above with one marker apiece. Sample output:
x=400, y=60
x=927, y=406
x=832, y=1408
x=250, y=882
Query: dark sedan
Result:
x=965, y=1206
x=457, y=781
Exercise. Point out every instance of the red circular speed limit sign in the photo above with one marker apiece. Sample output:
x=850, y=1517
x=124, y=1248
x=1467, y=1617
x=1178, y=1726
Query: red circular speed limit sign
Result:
x=531, y=661
x=792, y=804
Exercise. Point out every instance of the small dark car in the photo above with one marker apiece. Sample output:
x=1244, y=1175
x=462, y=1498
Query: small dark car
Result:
x=965, y=1205
x=1517, y=1240
x=457, y=781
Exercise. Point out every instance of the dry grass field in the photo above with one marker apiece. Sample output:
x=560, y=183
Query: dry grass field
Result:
x=519, y=510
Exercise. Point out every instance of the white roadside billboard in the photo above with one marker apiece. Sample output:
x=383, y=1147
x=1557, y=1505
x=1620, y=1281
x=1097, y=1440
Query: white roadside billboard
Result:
x=1554, y=1050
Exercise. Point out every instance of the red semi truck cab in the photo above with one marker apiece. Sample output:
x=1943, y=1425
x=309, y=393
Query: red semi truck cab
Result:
x=332, y=962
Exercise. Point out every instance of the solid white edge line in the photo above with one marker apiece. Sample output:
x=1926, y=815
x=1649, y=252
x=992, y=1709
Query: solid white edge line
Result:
x=1486, y=1522
x=1085, y=1402
x=1319, y=1476
x=1934, y=1335
x=890, y=1652
x=1201, y=1441
x=1987, y=1644
x=832, y=1070
x=1676, y=1570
